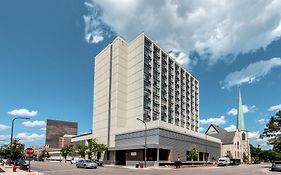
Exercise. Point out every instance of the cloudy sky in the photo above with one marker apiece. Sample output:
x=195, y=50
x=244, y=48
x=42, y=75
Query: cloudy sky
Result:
x=47, y=51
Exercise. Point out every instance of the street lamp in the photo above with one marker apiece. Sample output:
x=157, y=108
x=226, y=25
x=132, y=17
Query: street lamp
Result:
x=206, y=159
x=144, y=140
x=12, y=130
x=206, y=146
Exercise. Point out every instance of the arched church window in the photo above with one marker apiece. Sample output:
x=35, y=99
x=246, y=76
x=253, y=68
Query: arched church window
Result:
x=243, y=136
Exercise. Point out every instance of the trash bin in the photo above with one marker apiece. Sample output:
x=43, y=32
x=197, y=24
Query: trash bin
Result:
x=141, y=165
x=137, y=165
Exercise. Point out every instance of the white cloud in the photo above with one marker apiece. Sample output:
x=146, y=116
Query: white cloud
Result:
x=201, y=129
x=275, y=108
x=254, y=135
x=43, y=129
x=4, y=137
x=216, y=121
x=4, y=127
x=29, y=138
x=262, y=121
x=95, y=29
x=213, y=28
x=254, y=138
x=23, y=113
x=183, y=59
x=252, y=73
x=246, y=109
x=34, y=123
x=230, y=128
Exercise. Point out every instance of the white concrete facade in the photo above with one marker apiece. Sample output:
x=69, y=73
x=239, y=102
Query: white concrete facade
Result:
x=140, y=80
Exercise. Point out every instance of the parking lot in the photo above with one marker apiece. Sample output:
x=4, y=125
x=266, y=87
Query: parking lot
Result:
x=61, y=168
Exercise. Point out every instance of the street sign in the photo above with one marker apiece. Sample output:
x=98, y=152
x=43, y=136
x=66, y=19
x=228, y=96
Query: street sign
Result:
x=29, y=151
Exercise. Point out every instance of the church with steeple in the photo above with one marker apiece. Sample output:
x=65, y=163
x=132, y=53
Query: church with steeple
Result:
x=235, y=144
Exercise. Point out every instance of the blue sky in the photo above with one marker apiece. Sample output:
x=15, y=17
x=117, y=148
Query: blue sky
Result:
x=47, y=51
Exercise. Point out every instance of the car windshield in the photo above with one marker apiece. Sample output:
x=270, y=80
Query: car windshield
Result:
x=279, y=162
x=221, y=160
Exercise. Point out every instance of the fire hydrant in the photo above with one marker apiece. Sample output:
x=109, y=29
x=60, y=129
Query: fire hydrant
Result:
x=14, y=168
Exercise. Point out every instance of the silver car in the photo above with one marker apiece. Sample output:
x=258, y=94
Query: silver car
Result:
x=276, y=166
x=86, y=164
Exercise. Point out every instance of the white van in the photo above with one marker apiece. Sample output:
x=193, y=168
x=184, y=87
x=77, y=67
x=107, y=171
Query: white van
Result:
x=223, y=161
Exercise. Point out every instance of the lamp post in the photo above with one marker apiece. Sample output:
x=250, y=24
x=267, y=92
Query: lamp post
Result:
x=206, y=160
x=206, y=145
x=12, y=130
x=145, y=137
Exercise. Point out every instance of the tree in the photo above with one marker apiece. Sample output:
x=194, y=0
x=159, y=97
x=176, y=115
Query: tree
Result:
x=92, y=144
x=94, y=148
x=273, y=127
x=255, y=152
x=45, y=154
x=12, y=152
x=272, y=131
x=193, y=152
x=16, y=151
x=81, y=150
x=101, y=148
x=229, y=155
x=245, y=158
x=67, y=150
x=277, y=146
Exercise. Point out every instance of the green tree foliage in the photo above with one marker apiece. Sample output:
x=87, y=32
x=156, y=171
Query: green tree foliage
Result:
x=264, y=155
x=45, y=154
x=81, y=149
x=67, y=150
x=277, y=145
x=272, y=130
x=13, y=152
x=255, y=152
x=193, y=152
x=229, y=155
x=273, y=126
x=94, y=148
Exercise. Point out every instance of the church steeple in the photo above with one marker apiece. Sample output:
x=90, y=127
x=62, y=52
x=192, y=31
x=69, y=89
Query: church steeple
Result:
x=240, y=117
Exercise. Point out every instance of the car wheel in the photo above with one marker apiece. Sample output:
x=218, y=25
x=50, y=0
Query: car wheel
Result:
x=95, y=167
x=77, y=166
x=85, y=166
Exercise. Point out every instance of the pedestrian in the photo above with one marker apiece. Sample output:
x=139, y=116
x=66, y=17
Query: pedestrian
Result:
x=179, y=162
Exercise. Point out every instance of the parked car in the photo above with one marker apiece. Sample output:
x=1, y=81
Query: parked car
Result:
x=21, y=162
x=86, y=164
x=276, y=166
x=98, y=162
x=235, y=162
x=223, y=161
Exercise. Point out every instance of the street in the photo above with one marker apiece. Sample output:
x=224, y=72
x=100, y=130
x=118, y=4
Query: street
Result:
x=60, y=168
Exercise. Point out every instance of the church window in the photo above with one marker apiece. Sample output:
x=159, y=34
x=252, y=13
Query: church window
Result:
x=243, y=136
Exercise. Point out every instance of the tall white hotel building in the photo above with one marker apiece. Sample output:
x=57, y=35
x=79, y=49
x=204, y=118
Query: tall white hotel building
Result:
x=140, y=80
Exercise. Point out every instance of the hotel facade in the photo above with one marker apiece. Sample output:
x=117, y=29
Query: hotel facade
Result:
x=139, y=80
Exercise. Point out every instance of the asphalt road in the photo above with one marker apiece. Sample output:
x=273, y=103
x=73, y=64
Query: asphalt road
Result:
x=57, y=168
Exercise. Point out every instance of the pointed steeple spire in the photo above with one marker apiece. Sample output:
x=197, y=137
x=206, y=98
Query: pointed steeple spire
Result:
x=240, y=116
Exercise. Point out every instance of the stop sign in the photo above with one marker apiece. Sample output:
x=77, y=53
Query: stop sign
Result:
x=29, y=151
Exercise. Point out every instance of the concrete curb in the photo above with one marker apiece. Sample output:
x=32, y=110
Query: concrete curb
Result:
x=9, y=171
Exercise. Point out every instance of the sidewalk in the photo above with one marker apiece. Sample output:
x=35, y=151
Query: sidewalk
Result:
x=9, y=171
